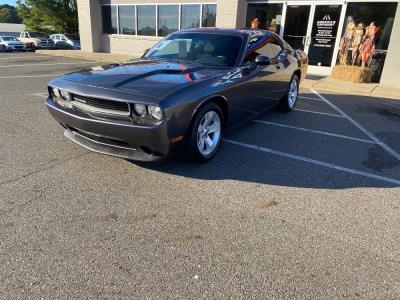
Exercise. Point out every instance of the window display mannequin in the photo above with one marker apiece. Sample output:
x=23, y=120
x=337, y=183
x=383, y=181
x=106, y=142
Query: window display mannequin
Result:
x=355, y=45
x=345, y=43
x=368, y=45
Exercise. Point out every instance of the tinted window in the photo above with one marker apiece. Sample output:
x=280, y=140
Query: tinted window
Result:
x=209, y=15
x=127, y=20
x=147, y=20
x=206, y=49
x=262, y=45
x=190, y=16
x=167, y=19
x=109, y=18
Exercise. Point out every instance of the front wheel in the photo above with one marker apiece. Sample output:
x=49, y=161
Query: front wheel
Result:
x=289, y=101
x=206, y=132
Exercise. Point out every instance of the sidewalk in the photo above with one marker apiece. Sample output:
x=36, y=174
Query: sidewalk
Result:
x=326, y=84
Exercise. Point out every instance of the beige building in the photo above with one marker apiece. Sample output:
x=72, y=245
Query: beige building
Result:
x=315, y=26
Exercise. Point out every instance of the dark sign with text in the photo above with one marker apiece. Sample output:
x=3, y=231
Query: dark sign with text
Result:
x=324, y=32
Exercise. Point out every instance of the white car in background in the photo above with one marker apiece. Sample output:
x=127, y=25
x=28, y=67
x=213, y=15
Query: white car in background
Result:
x=66, y=41
x=10, y=43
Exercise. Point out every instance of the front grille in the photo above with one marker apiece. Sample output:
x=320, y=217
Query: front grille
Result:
x=100, y=105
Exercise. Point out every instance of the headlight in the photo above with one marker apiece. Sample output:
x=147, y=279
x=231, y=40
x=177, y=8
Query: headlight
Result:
x=140, y=109
x=56, y=93
x=65, y=95
x=155, y=112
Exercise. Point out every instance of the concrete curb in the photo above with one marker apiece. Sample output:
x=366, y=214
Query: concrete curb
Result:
x=102, y=57
x=362, y=89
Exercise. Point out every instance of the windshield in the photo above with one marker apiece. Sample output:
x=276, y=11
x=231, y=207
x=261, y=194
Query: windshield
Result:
x=37, y=35
x=202, y=48
x=8, y=38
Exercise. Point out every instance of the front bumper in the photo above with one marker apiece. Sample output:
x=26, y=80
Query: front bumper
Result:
x=16, y=48
x=143, y=143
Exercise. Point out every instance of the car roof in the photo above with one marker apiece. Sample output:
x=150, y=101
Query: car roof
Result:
x=228, y=31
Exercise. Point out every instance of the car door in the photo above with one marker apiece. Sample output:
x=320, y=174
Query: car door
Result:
x=265, y=84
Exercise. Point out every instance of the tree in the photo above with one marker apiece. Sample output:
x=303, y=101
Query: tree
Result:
x=8, y=14
x=49, y=16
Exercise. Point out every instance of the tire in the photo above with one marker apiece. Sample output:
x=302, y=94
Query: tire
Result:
x=3, y=48
x=204, y=144
x=289, y=101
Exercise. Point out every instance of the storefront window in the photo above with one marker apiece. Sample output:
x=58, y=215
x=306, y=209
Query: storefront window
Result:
x=190, y=16
x=366, y=34
x=109, y=18
x=146, y=20
x=209, y=15
x=381, y=13
x=127, y=20
x=269, y=15
x=167, y=19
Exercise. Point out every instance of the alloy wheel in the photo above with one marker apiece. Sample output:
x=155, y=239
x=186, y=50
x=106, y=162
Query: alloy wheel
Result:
x=209, y=133
x=293, y=93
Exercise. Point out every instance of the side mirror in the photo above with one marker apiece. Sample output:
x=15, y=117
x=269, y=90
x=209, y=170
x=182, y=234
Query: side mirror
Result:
x=262, y=60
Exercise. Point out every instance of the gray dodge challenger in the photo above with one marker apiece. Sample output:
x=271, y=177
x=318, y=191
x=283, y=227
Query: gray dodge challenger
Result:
x=180, y=96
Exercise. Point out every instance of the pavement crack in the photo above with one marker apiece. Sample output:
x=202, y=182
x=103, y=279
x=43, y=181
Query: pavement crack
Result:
x=44, y=169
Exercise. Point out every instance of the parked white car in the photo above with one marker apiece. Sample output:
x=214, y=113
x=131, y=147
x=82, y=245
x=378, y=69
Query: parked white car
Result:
x=66, y=41
x=10, y=43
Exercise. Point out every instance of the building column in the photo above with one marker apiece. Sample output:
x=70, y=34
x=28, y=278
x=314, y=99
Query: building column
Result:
x=89, y=16
x=390, y=74
x=231, y=13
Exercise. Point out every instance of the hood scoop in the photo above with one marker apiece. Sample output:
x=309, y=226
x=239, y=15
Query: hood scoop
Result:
x=184, y=71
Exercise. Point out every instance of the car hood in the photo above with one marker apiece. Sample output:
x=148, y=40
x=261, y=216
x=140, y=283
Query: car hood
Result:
x=13, y=43
x=150, y=78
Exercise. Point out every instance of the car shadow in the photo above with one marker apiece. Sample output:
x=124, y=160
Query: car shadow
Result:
x=235, y=162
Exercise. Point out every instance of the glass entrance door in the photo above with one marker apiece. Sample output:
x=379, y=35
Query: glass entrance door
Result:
x=296, y=26
x=323, y=35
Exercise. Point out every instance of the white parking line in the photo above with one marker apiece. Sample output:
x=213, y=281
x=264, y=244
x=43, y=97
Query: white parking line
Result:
x=38, y=94
x=315, y=162
x=20, y=57
x=309, y=98
x=316, y=131
x=50, y=64
x=355, y=123
x=30, y=76
x=319, y=113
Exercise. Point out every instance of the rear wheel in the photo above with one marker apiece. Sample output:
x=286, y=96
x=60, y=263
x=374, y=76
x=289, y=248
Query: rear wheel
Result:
x=206, y=132
x=289, y=101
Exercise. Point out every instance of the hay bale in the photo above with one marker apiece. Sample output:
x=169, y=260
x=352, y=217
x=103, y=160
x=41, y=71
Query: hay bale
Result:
x=352, y=73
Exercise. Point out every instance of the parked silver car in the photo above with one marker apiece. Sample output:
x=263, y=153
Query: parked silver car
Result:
x=10, y=43
x=66, y=41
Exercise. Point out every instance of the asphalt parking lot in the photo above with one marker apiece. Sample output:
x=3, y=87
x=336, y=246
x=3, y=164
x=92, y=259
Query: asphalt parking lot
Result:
x=300, y=205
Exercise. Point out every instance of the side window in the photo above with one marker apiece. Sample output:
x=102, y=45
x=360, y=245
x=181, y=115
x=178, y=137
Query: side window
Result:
x=276, y=47
x=262, y=45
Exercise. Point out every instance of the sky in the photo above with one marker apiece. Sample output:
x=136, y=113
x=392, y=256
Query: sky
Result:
x=10, y=2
